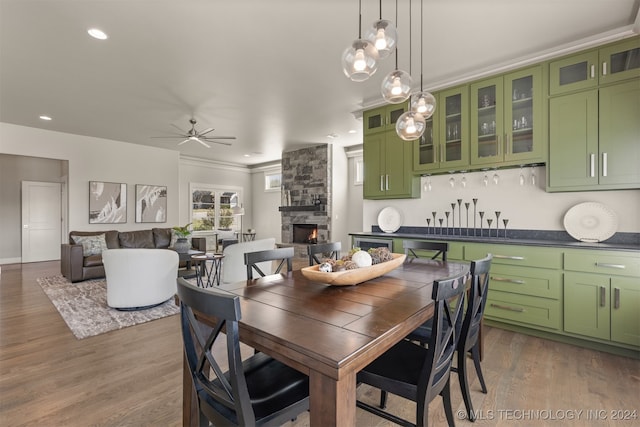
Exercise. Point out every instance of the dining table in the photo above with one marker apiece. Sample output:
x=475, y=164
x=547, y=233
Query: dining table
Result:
x=331, y=332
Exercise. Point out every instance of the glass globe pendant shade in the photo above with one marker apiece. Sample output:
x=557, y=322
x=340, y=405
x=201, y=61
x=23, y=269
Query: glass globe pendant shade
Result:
x=410, y=126
x=396, y=86
x=384, y=37
x=423, y=103
x=360, y=60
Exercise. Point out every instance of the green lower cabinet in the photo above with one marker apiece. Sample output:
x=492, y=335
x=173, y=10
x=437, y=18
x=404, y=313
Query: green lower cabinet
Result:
x=625, y=310
x=525, y=310
x=603, y=307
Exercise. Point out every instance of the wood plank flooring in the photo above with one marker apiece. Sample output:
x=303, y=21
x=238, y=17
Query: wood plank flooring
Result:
x=132, y=377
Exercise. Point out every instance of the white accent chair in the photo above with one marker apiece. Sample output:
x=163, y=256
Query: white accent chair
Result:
x=139, y=278
x=233, y=267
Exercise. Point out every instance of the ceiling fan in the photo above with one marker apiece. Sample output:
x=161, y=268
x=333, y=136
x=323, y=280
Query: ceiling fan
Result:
x=198, y=136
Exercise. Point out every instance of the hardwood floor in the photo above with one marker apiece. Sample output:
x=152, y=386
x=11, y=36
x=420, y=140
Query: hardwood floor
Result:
x=132, y=377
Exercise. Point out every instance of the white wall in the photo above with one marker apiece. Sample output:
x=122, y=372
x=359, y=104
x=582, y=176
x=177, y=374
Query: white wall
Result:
x=340, y=193
x=264, y=208
x=526, y=207
x=354, y=196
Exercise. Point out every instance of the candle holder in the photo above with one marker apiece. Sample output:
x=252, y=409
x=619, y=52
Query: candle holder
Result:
x=481, y=213
x=497, y=223
x=466, y=205
x=475, y=202
x=460, y=216
x=447, y=215
x=505, y=222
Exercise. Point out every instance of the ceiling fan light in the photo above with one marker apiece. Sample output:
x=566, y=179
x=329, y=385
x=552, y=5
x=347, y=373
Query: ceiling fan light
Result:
x=423, y=103
x=410, y=126
x=360, y=60
x=384, y=37
x=396, y=86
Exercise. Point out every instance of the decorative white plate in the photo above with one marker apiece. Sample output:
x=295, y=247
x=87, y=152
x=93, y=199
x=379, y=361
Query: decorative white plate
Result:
x=389, y=220
x=590, y=222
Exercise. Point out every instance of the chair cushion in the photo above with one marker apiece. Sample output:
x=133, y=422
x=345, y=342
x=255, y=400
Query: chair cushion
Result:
x=91, y=245
x=92, y=260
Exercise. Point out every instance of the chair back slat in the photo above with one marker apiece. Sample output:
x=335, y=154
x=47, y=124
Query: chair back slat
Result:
x=476, y=304
x=323, y=250
x=410, y=247
x=284, y=255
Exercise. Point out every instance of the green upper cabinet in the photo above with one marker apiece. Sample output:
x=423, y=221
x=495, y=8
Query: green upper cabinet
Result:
x=506, y=119
x=594, y=140
x=445, y=142
x=383, y=118
x=388, y=162
x=610, y=64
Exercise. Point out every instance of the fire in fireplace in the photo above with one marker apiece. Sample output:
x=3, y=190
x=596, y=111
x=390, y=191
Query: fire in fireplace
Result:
x=305, y=233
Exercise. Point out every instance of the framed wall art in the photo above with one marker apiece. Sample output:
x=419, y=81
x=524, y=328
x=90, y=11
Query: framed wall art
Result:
x=107, y=202
x=151, y=203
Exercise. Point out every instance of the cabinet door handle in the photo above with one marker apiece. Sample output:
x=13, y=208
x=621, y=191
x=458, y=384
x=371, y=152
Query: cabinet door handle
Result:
x=607, y=265
x=387, y=182
x=518, y=258
x=593, y=71
x=603, y=296
x=509, y=308
x=604, y=68
x=616, y=298
x=593, y=165
x=381, y=183
x=604, y=164
x=504, y=279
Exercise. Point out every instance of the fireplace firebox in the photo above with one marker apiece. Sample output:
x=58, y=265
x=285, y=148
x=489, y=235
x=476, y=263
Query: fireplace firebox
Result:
x=305, y=233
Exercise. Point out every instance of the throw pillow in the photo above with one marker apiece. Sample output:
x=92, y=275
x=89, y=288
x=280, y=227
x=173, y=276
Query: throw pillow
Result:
x=91, y=245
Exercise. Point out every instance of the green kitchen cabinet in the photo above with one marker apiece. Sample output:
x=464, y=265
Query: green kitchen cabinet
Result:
x=586, y=70
x=593, y=139
x=382, y=119
x=388, y=162
x=445, y=143
x=506, y=119
x=625, y=311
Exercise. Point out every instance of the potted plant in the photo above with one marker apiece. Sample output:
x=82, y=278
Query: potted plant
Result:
x=182, y=245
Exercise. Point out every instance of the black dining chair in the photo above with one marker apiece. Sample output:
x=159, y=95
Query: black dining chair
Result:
x=325, y=250
x=252, y=259
x=469, y=342
x=259, y=391
x=417, y=373
x=411, y=246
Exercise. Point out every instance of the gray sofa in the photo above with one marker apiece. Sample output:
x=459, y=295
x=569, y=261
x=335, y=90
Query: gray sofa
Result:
x=83, y=260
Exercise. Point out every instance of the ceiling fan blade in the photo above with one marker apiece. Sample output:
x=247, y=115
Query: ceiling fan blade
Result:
x=186, y=140
x=204, y=132
x=219, y=142
x=203, y=143
x=209, y=138
x=172, y=137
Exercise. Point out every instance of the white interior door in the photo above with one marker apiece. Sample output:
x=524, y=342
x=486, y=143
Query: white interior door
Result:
x=41, y=221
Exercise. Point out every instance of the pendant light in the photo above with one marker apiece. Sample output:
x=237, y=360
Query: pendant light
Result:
x=360, y=60
x=410, y=125
x=383, y=35
x=422, y=102
x=396, y=86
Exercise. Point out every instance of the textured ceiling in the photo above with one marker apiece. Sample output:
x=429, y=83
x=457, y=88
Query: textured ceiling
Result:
x=268, y=72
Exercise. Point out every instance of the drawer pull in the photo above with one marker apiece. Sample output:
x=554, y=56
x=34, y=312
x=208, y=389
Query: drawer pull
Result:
x=607, y=265
x=603, y=296
x=504, y=279
x=506, y=307
x=616, y=298
x=519, y=258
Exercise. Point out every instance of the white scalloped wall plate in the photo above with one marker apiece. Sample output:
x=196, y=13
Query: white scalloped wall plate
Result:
x=591, y=222
x=389, y=220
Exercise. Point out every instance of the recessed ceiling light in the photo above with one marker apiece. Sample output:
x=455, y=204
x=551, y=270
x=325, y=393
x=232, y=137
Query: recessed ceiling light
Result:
x=97, y=34
x=47, y=118
x=353, y=131
x=332, y=135
x=247, y=155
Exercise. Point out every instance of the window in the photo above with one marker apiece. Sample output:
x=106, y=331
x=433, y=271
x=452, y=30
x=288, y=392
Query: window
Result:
x=211, y=208
x=272, y=181
x=358, y=171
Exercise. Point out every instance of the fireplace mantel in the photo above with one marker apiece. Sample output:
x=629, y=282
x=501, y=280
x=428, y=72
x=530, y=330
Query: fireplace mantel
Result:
x=301, y=208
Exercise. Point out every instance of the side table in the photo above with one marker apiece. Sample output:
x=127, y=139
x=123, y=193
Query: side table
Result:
x=208, y=273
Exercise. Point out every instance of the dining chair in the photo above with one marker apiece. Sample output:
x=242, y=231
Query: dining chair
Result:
x=417, y=373
x=332, y=249
x=470, y=334
x=258, y=391
x=284, y=255
x=410, y=247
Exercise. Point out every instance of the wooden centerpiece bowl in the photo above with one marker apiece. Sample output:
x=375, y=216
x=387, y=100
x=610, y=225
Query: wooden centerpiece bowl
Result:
x=355, y=276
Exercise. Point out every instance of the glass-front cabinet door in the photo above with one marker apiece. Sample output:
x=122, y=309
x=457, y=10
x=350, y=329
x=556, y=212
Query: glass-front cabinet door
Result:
x=506, y=117
x=576, y=72
x=382, y=118
x=424, y=152
x=620, y=61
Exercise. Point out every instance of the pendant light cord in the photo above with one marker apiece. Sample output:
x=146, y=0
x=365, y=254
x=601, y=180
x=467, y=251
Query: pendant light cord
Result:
x=396, y=25
x=359, y=19
x=410, y=33
x=421, y=41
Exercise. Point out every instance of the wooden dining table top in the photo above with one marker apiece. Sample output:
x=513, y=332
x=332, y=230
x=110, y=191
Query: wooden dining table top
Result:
x=332, y=332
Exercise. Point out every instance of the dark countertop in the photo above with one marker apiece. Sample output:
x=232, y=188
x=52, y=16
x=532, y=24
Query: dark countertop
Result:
x=514, y=237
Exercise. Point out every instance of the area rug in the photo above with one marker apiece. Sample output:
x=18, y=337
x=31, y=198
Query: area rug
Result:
x=83, y=306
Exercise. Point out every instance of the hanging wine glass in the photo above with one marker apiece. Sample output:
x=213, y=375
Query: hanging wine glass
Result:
x=496, y=177
x=452, y=182
x=463, y=181
x=522, y=179
x=533, y=175
x=485, y=179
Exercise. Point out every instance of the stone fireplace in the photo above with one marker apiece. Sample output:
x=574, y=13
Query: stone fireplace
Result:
x=306, y=176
